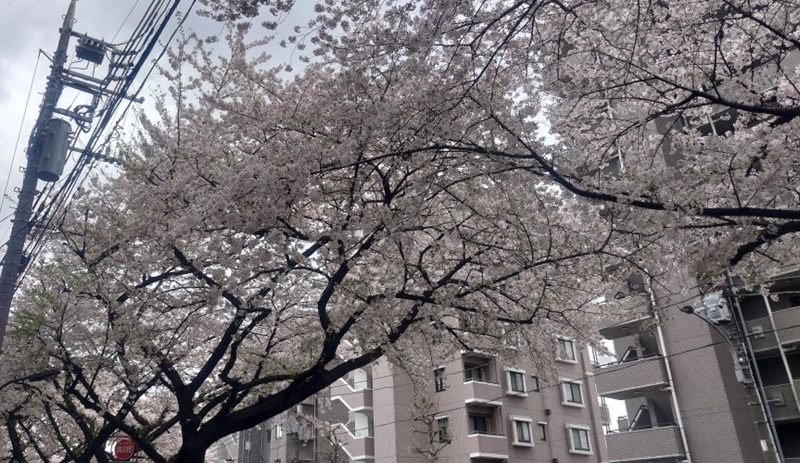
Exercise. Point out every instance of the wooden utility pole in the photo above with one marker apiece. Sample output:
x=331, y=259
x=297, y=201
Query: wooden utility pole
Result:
x=12, y=262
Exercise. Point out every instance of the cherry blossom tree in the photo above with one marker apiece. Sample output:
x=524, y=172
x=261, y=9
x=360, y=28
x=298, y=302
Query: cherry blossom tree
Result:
x=678, y=115
x=268, y=235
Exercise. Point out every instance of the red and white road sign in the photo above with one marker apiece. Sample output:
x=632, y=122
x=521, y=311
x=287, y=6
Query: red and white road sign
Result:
x=123, y=448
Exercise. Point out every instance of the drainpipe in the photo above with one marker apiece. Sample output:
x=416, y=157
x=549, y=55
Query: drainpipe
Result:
x=317, y=433
x=760, y=392
x=588, y=371
x=549, y=425
x=263, y=437
x=673, y=393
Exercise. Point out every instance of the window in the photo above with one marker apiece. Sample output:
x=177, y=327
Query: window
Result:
x=443, y=429
x=566, y=350
x=516, y=382
x=579, y=439
x=542, y=431
x=572, y=393
x=439, y=379
x=534, y=383
x=278, y=431
x=522, y=431
x=512, y=338
x=474, y=373
x=436, y=332
x=478, y=424
x=268, y=436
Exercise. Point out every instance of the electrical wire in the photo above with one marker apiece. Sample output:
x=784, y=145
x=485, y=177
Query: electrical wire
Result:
x=125, y=20
x=59, y=203
x=439, y=412
x=19, y=135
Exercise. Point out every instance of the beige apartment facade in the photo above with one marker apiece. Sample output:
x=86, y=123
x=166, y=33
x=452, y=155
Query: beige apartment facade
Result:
x=480, y=409
x=676, y=371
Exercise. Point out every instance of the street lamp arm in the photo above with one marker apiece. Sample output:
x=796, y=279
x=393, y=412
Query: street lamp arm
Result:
x=689, y=309
x=39, y=376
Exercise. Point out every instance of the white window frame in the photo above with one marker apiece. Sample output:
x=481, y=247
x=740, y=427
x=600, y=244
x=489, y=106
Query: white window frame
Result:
x=562, y=358
x=509, y=390
x=278, y=431
x=543, y=431
x=449, y=434
x=571, y=438
x=440, y=380
x=526, y=421
x=564, y=401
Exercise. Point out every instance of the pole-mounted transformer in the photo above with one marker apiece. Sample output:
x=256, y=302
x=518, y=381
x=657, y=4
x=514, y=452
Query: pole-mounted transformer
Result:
x=54, y=152
x=91, y=50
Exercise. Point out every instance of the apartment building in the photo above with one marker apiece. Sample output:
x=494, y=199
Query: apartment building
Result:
x=706, y=378
x=298, y=435
x=481, y=409
x=772, y=324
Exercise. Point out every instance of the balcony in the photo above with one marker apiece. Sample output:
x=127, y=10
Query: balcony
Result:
x=481, y=391
x=787, y=324
x=644, y=444
x=360, y=449
x=356, y=400
x=486, y=446
x=781, y=401
x=629, y=314
x=357, y=443
x=627, y=380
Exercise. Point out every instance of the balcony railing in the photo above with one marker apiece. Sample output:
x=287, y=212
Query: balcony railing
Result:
x=614, y=328
x=358, y=431
x=787, y=325
x=645, y=444
x=358, y=400
x=357, y=448
x=781, y=401
x=486, y=446
x=626, y=380
x=360, y=384
x=481, y=391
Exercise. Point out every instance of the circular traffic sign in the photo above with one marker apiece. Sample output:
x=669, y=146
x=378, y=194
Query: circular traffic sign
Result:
x=123, y=448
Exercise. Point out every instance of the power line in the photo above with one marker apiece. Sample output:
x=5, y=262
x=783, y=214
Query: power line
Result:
x=158, y=14
x=19, y=133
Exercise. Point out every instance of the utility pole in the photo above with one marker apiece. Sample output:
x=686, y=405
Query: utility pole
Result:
x=12, y=262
